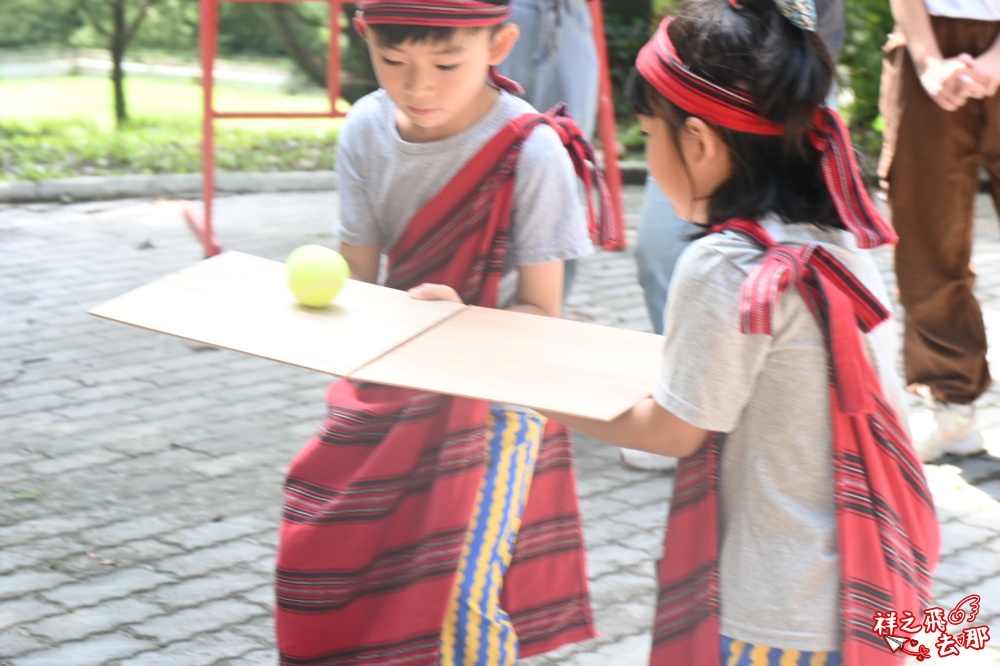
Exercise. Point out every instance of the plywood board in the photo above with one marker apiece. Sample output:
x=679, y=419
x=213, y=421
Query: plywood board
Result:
x=552, y=364
x=241, y=302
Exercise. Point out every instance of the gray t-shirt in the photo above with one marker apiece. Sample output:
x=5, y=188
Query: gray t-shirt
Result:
x=779, y=573
x=385, y=180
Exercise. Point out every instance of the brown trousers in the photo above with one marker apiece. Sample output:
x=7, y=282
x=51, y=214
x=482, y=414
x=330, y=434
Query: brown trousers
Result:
x=930, y=164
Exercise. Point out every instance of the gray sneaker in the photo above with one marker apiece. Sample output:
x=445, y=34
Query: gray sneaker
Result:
x=945, y=427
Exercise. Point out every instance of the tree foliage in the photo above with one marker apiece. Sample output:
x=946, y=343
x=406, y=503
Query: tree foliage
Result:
x=37, y=23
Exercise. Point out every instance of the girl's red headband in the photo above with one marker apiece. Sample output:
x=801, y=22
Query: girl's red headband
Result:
x=660, y=65
x=442, y=13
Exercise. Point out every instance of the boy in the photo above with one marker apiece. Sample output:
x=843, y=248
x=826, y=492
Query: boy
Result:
x=400, y=520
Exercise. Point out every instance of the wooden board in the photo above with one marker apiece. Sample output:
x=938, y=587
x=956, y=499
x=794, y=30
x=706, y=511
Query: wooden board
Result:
x=553, y=364
x=241, y=302
x=371, y=333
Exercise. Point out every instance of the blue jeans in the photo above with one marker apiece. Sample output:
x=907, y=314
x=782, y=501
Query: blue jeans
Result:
x=555, y=60
x=661, y=240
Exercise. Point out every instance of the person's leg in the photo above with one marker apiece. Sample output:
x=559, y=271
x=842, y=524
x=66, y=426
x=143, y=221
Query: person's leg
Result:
x=555, y=59
x=661, y=239
x=477, y=630
x=932, y=183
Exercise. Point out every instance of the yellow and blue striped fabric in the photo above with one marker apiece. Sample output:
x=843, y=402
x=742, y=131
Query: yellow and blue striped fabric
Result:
x=740, y=653
x=477, y=631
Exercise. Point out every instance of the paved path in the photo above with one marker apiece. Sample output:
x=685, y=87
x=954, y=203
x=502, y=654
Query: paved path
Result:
x=140, y=475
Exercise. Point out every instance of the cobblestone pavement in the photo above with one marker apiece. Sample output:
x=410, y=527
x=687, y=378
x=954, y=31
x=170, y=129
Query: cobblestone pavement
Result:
x=140, y=475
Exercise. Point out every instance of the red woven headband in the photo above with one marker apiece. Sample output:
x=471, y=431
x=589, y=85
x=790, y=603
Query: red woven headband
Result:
x=734, y=109
x=443, y=13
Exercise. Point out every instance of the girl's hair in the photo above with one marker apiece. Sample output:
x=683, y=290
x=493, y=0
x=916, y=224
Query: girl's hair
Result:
x=788, y=72
x=394, y=34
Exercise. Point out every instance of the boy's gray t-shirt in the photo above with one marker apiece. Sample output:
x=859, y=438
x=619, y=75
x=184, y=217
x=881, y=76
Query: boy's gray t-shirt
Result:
x=779, y=575
x=384, y=181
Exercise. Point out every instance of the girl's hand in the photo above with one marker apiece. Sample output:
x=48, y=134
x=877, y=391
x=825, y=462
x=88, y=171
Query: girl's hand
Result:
x=435, y=292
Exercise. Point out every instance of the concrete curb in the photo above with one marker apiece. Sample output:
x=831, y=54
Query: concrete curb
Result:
x=92, y=188
x=95, y=188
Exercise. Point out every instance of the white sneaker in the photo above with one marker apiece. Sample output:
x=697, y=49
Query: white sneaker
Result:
x=650, y=462
x=945, y=427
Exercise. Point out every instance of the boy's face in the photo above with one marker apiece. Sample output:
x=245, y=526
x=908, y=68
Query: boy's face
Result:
x=439, y=87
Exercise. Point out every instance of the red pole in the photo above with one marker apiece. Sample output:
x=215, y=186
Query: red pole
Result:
x=606, y=121
x=201, y=224
x=333, y=55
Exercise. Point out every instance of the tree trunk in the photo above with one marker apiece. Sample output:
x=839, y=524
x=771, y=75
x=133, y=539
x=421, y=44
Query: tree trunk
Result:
x=119, y=41
x=279, y=17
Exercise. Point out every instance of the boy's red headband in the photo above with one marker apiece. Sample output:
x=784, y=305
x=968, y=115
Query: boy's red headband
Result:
x=734, y=109
x=443, y=13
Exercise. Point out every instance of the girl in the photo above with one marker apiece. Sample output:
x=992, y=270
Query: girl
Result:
x=800, y=509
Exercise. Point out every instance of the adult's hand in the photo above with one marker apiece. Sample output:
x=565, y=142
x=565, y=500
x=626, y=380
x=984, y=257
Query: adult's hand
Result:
x=985, y=70
x=950, y=82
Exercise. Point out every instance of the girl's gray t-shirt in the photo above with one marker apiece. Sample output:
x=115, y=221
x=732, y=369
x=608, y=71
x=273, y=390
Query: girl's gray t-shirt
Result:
x=779, y=575
x=384, y=181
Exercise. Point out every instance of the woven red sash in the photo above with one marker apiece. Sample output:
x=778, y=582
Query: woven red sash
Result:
x=377, y=503
x=887, y=532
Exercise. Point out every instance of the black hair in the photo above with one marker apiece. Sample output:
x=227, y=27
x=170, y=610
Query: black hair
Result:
x=788, y=72
x=394, y=34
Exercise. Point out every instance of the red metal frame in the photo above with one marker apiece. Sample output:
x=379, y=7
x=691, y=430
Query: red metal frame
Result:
x=200, y=222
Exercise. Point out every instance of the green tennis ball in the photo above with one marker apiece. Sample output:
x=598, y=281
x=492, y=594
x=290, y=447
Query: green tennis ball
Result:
x=316, y=274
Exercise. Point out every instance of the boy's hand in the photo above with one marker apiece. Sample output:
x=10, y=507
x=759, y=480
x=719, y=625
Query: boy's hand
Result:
x=435, y=292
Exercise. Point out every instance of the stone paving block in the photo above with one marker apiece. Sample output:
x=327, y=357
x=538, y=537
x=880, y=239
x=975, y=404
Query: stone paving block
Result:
x=209, y=534
x=233, y=463
x=660, y=488
x=267, y=657
x=82, y=622
x=626, y=651
x=635, y=583
x=75, y=410
x=24, y=610
x=34, y=403
x=102, y=589
x=95, y=651
x=87, y=458
x=201, y=562
x=209, y=617
x=608, y=558
x=133, y=529
x=971, y=565
x=203, y=650
x=651, y=516
x=25, y=388
x=262, y=595
x=28, y=581
x=601, y=506
x=15, y=642
x=957, y=535
x=196, y=591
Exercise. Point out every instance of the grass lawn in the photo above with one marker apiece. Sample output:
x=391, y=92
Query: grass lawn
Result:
x=64, y=126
